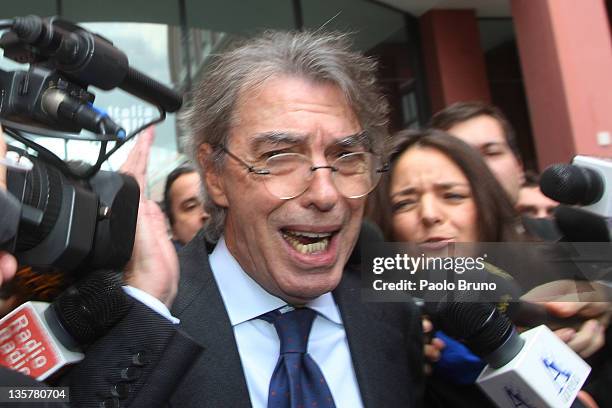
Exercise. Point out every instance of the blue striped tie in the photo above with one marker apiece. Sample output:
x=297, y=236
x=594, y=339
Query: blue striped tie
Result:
x=297, y=381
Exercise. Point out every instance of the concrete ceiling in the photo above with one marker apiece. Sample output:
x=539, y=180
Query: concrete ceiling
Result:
x=484, y=8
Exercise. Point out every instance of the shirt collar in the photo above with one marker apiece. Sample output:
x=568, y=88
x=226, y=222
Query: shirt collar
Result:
x=245, y=299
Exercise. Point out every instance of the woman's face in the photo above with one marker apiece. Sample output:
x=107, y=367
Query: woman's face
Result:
x=431, y=200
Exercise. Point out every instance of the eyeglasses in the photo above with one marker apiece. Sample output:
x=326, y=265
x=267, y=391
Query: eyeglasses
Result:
x=288, y=175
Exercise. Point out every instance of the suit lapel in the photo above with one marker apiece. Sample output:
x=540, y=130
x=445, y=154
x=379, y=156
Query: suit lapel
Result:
x=376, y=341
x=217, y=378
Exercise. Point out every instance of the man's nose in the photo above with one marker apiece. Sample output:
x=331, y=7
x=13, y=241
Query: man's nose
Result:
x=322, y=192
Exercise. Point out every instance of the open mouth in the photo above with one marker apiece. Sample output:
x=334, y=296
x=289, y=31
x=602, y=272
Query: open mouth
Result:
x=307, y=242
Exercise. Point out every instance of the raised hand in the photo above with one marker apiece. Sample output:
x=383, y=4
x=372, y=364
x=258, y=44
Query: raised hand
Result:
x=154, y=264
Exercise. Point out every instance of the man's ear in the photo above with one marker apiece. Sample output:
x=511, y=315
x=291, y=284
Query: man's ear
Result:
x=214, y=182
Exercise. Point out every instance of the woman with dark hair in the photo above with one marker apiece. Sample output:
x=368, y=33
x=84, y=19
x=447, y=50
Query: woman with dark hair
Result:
x=439, y=189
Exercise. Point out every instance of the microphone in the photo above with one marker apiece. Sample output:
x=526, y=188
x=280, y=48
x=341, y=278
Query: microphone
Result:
x=533, y=369
x=522, y=313
x=39, y=339
x=585, y=182
x=92, y=59
x=571, y=184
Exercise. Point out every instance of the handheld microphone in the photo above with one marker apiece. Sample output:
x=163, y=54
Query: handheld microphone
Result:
x=585, y=182
x=522, y=313
x=533, y=369
x=571, y=184
x=39, y=339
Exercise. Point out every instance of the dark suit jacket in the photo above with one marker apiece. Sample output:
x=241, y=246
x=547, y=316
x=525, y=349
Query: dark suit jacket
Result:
x=385, y=342
x=137, y=364
x=198, y=365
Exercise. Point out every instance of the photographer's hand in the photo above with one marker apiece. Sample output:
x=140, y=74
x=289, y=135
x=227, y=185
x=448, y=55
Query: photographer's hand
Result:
x=154, y=264
x=8, y=263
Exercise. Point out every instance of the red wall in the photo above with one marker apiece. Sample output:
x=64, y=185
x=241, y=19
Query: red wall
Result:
x=454, y=62
x=566, y=56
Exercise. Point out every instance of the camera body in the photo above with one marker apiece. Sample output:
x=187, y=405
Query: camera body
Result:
x=69, y=224
x=71, y=219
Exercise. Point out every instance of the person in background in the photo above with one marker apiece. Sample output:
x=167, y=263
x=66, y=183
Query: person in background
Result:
x=532, y=202
x=183, y=204
x=486, y=128
x=440, y=191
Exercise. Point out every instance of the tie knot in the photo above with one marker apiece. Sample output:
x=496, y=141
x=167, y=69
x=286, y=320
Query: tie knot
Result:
x=293, y=328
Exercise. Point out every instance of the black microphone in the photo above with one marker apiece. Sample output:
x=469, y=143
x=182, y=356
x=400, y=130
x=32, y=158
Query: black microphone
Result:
x=92, y=59
x=578, y=225
x=39, y=339
x=89, y=309
x=522, y=313
x=571, y=184
x=485, y=331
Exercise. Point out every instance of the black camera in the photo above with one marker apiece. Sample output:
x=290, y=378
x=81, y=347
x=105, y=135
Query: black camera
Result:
x=69, y=224
x=71, y=218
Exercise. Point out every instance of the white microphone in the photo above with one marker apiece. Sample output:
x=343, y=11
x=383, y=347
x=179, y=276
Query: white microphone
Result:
x=532, y=370
x=39, y=339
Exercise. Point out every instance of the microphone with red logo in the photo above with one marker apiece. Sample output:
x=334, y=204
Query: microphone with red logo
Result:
x=39, y=339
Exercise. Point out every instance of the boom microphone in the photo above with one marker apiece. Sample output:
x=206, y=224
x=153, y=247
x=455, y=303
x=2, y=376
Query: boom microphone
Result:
x=533, y=369
x=91, y=59
x=38, y=339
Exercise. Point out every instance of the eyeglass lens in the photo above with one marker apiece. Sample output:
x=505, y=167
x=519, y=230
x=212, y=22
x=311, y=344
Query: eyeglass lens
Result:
x=354, y=174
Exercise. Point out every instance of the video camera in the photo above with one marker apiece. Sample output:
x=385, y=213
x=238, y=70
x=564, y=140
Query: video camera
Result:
x=73, y=217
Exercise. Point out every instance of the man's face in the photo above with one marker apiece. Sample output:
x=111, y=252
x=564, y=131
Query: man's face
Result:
x=534, y=204
x=186, y=207
x=486, y=135
x=296, y=249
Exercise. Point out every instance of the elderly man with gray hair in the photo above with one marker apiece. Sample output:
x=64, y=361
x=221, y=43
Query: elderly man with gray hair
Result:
x=288, y=131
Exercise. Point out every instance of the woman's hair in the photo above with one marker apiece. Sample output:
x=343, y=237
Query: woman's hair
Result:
x=496, y=217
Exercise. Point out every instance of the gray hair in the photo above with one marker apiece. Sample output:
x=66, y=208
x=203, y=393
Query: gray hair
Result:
x=315, y=56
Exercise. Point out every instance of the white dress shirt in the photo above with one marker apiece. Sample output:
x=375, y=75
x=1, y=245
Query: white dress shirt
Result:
x=258, y=342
